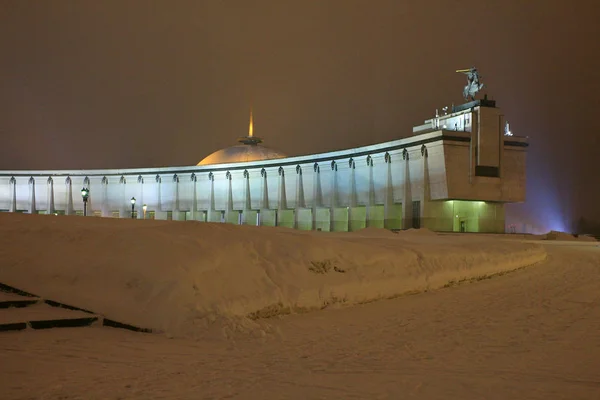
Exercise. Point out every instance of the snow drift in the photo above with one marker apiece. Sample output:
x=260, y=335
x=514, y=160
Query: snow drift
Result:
x=557, y=235
x=179, y=277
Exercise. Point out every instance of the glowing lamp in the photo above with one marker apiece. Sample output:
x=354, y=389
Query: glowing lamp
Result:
x=85, y=193
x=132, y=207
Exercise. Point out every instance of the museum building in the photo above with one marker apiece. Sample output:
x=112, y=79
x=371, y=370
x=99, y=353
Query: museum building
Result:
x=455, y=172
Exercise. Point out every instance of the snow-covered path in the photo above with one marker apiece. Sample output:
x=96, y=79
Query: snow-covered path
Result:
x=532, y=334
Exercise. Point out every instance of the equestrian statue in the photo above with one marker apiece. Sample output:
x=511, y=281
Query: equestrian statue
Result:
x=474, y=84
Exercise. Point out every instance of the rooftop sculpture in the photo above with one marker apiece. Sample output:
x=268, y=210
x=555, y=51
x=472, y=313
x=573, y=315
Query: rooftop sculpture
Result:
x=473, y=83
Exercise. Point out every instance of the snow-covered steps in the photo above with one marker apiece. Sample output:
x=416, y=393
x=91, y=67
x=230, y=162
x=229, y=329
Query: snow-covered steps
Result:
x=22, y=310
x=42, y=316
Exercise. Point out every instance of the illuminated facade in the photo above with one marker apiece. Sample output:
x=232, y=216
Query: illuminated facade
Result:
x=455, y=173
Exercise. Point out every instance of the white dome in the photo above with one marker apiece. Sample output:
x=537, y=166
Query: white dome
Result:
x=250, y=150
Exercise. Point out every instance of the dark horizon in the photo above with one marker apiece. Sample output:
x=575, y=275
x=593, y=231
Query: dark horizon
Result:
x=127, y=84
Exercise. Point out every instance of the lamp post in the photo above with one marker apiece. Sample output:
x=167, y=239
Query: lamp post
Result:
x=144, y=208
x=85, y=193
x=132, y=207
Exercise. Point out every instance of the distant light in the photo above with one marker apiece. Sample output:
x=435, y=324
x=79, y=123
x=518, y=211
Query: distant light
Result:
x=133, y=200
x=456, y=215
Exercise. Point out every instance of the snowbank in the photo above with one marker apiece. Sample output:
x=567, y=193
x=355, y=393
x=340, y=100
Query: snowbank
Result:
x=178, y=277
x=556, y=235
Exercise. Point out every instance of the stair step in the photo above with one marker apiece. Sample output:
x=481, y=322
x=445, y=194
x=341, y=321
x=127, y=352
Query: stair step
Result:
x=39, y=312
x=8, y=300
x=17, y=303
x=116, y=324
x=68, y=307
x=19, y=326
x=5, y=296
x=9, y=289
x=63, y=323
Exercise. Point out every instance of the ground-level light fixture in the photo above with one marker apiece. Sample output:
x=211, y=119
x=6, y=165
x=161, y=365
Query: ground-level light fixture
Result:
x=85, y=193
x=132, y=207
x=144, y=208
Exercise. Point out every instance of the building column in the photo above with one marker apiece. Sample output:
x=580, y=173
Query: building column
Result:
x=426, y=193
x=124, y=201
x=32, y=209
x=175, y=204
x=158, y=181
x=140, y=202
x=264, y=198
x=388, y=200
x=87, y=185
x=247, y=199
x=317, y=194
x=352, y=191
x=194, y=207
x=13, y=194
x=371, y=195
x=300, y=203
x=229, y=206
x=50, y=203
x=105, y=207
x=281, y=197
x=211, y=198
x=69, y=201
x=334, y=195
x=407, y=193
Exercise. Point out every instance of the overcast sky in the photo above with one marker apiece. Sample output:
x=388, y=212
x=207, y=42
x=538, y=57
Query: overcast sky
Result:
x=118, y=84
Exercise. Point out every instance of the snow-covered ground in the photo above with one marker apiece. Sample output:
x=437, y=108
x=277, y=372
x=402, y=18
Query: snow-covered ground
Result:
x=184, y=278
x=532, y=334
x=529, y=334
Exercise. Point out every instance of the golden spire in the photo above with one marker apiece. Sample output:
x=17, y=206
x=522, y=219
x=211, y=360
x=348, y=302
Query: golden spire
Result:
x=251, y=127
x=250, y=139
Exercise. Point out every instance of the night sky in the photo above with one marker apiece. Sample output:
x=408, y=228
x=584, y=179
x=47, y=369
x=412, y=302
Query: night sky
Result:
x=118, y=84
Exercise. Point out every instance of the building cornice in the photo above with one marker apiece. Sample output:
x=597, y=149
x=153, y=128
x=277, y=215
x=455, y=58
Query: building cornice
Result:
x=400, y=144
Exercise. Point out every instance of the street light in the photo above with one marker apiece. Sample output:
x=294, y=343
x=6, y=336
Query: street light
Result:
x=144, y=207
x=132, y=206
x=85, y=193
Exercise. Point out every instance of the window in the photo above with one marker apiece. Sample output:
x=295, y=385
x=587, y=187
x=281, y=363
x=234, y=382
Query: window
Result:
x=491, y=172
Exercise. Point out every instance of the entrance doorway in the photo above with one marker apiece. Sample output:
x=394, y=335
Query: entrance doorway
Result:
x=416, y=214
